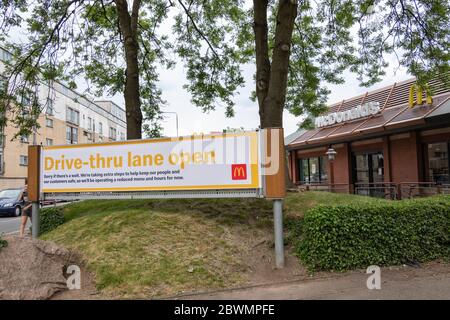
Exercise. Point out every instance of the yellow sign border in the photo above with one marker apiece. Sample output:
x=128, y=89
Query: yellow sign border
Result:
x=254, y=163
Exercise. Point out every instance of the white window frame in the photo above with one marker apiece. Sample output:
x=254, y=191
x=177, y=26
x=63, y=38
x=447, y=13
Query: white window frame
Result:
x=49, y=121
x=23, y=160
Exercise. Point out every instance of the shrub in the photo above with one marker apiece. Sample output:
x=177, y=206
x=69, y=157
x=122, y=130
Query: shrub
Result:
x=382, y=233
x=50, y=218
x=3, y=243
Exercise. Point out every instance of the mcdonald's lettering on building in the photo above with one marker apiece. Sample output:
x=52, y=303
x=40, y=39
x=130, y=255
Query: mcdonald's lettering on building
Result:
x=389, y=142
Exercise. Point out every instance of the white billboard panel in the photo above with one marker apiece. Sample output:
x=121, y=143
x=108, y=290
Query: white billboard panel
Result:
x=223, y=161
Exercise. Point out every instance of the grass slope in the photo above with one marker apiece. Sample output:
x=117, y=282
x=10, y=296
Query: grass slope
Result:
x=142, y=248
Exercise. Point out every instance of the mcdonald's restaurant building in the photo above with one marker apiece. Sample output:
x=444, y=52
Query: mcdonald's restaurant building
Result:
x=380, y=143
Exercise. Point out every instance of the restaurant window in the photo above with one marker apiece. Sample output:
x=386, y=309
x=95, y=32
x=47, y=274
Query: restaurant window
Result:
x=313, y=170
x=71, y=135
x=368, y=167
x=438, y=162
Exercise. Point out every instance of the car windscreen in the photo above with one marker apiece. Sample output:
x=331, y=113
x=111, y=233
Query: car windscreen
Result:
x=10, y=193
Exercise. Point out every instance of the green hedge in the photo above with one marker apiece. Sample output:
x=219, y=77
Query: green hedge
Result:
x=383, y=233
x=50, y=218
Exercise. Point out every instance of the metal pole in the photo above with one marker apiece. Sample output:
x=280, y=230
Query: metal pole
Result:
x=35, y=219
x=35, y=205
x=278, y=228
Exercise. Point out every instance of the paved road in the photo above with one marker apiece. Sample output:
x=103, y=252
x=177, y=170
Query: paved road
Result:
x=11, y=225
x=429, y=282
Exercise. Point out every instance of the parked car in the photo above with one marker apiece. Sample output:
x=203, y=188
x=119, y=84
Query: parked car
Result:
x=11, y=202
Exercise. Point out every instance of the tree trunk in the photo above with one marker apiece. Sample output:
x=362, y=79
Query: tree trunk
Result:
x=260, y=28
x=128, y=26
x=271, y=78
x=273, y=104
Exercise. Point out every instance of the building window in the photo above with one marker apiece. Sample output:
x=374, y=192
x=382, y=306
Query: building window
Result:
x=313, y=170
x=3, y=84
x=71, y=135
x=23, y=160
x=438, y=163
x=122, y=136
x=24, y=139
x=73, y=116
x=49, y=142
x=112, y=133
x=2, y=164
x=49, y=122
x=89, y=119
x=25, y=100
x=50, y=111
x=100, y=128
x=5, y=55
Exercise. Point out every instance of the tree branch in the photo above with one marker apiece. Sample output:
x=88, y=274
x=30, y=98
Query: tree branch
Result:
x=186, y=10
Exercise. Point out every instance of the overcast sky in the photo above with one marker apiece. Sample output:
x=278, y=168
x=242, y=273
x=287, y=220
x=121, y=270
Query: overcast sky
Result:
x=192, y=119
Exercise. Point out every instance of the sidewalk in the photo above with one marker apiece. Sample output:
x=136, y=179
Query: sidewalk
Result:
x=426, y=282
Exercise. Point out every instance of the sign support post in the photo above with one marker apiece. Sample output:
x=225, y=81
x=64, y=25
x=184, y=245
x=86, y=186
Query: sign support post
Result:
x=35, y=220
x=34, y=156
x=275, y=185
x=278, y=232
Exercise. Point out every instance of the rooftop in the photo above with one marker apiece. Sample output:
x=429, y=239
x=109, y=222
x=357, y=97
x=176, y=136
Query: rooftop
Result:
x=394, y=112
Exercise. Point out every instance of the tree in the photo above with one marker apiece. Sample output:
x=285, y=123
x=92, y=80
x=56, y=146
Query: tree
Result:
x=339, y=35
x=300, y=46
x=297, y=47
x=113, y=46
x=117, y=46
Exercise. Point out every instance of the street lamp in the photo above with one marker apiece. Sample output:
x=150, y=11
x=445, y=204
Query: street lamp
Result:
x=176, y=117
x=331, y=153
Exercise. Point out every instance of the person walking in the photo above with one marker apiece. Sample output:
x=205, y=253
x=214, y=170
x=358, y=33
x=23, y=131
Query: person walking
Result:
x=26, y=213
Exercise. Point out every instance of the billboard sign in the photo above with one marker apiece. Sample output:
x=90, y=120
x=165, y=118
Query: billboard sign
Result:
x=206, y=162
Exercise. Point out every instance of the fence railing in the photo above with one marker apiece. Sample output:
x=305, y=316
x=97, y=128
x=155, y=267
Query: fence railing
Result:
x=409, y=190
x=335, y=187
x=386, y=190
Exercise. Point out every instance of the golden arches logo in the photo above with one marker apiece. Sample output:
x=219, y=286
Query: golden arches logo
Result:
x=418, y=90
x=238, y=171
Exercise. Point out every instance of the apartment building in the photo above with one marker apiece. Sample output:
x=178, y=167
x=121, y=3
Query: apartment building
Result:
x=69, y=118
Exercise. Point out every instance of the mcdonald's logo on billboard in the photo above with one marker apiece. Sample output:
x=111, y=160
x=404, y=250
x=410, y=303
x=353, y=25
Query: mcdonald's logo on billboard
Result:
x=418, y=90
x=239, y=172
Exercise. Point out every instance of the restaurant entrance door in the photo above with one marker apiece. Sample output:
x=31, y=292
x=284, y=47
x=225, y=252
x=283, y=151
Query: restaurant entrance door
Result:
x=368, y=172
